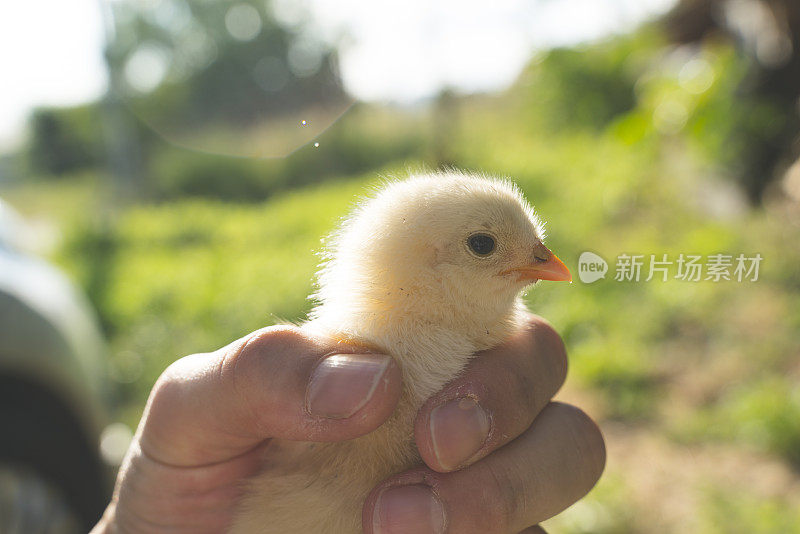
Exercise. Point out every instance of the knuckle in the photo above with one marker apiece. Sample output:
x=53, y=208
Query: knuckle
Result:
x=499, y=503
x=169, y=392
x=589, y=441
x=271, y=340
x=549, y=348
x=240, y=360
x=254, y=369
x=170, y=383
x=507, y=499
x=524, y=391
x=539, y=367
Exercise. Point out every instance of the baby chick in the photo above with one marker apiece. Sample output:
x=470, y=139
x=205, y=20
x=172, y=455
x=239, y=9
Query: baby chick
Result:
x=428, y=271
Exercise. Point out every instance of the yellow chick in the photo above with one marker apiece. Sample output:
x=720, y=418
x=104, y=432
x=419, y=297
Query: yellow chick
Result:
x=429, y=271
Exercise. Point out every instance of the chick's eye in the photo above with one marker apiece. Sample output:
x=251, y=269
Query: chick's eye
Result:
x=481, y=244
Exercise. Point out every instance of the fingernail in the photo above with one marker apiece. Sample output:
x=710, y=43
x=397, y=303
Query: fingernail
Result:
x=408, y=510
x=459, y=429
x=343, y=383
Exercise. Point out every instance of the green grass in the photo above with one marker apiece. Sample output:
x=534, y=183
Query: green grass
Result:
x=727, y=511
x=187, y=277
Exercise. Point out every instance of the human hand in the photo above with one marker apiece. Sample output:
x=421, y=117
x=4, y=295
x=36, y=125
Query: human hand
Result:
x=209, y=417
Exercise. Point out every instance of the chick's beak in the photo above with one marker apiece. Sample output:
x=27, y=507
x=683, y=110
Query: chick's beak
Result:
x=544, y=266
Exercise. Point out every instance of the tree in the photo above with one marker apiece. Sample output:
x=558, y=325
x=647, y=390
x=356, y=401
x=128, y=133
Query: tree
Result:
x=768, y=32
x=186, y=64
x=63, y=140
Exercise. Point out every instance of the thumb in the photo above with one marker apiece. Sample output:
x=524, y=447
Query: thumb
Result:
x=278, y=382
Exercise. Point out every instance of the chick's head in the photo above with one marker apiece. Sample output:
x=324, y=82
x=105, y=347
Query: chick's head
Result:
x=437, y=242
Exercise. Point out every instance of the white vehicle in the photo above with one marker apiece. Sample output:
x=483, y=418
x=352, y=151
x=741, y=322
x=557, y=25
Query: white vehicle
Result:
x=52, y=479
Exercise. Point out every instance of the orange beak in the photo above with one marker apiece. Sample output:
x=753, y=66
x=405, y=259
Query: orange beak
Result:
x=545, y=266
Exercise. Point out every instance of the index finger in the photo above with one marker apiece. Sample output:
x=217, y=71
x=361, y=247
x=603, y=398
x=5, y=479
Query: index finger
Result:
x=275, y=383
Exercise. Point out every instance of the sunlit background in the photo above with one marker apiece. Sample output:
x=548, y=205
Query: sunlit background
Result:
x=168, y=167
x=400, y=51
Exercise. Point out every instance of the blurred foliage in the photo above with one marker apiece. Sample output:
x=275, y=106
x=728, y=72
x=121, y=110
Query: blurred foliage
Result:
x=727, y=511
x=361, y=140
x=608, y=511
x=219, y=62
x=183, y=277
x=766, y=34
x=587, y=86
x=764, y=414
x=65, y=140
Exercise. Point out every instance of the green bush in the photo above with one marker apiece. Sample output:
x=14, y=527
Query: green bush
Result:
x=727, y=511
x=589, y=86
x=363, y=139
x=178, y=278
x=64, y=140
x=762, y=414
x=177, y=173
